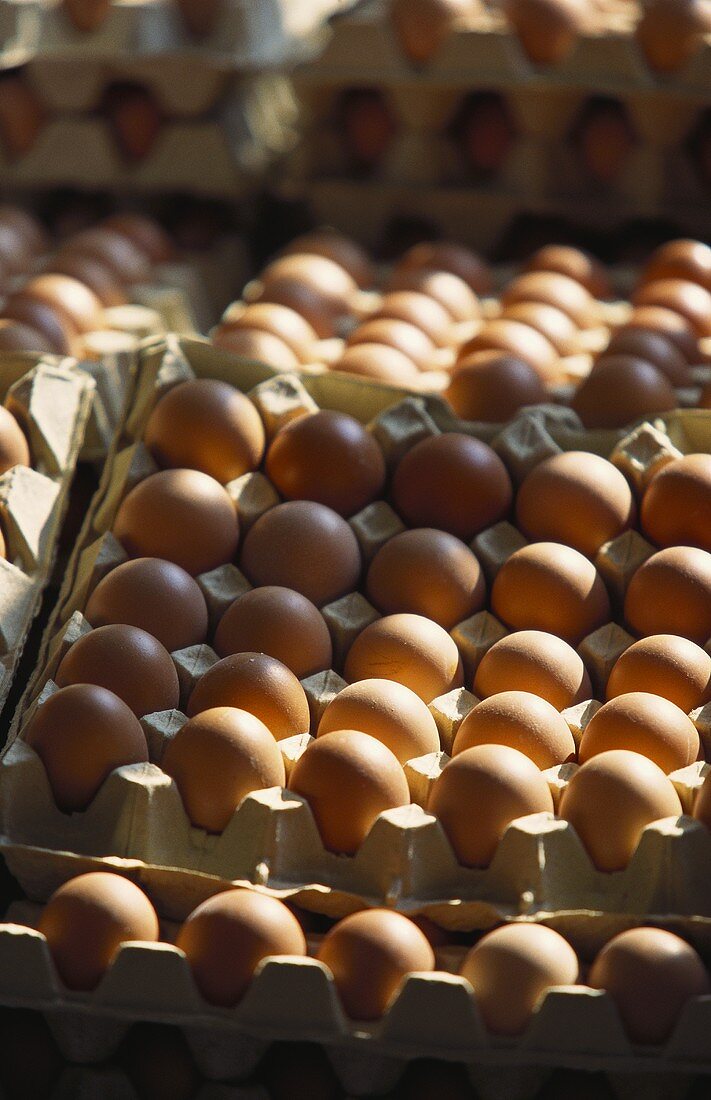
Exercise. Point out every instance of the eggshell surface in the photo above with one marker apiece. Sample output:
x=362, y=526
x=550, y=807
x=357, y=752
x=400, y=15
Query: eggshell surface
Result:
x=536, y=662
x=258, y=684
x=409, y=649
x=521, y=721
x=281, y=623
x=387, y=711
x=645, y=724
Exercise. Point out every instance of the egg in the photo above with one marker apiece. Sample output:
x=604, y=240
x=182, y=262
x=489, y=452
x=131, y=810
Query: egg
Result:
x=135, y=117
x=126, y=660
x=184, y=516
x=409, y=649
x=379, y=362
x=348, y=778
x=216, y=759
x=422, y=26
x=129, y=263
x=676, y=507
x=15, y=253
x=502, y=783
x=201, y=17
x=549, y=587
x=576, y=498
x=680, y=259
x=419, y=310
x=670, y=32
x=288, y=326
x=86, y=921
x=492, y=386
x=52, y=325
x=27, y=225
x=621, y=389
x=547, y=29
x=604, y=140
x=536, y=662
x=653, y=347
x=670, y=593
x=454, y=482
x=557, y=327
x=388, y=711
x=258, y=684
x=206, y=425
x=452, y=293
x=411, y=341
x=512, y=968
x=227, y=937
x=87, y=15
x=650, y=974
x=513, y=338
x=144, y=232
x=22, y=116
x=485, y=133
x=158, y=1062
x=16, y=336
x=14, y=450
x=281, y=623
x=81, y=734
x=79, y=306
x=320, y=290
x=672, y=325
x=310, y=457
x=522, y=721
x=305, y=546
x=338, y=247
x=260, y=347
x=611, y=799
x=93, y=274
x=666, y=665
x=449, y=256
x=366, y=127
x=576, y=264
x=427, y=572
x=643, y=723
x=691, y=301
x=370, y=954
x=551, y=288
x=157, y=596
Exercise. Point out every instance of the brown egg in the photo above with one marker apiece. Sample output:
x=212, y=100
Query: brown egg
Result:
x=81, y=734
x=670, y=593
x=653, y=347
x=183, y=516
x=286, y=324
x=54, y=326
x=348, y=778
x=73, y=300
x=452, y=293
x=227, y=937
x=16, y=336
x=366, y=127
x=305, y=546
x=129, y=263
x=14, y=450
x=281, y=623
x=379, y=362
x=145, y=233
x=418, y=310
x=135, y=117
x=671, y=325
x=206, y=425
x=557, y=327
x=604, y=140
x=86, y=921
x=260, y=347
x=680, y=259
x=689, y=299
x=158, y=1062
x=339, y=248
x=621, y=389
x=370, y=954
x=611, y=799
x=328, y=457
x=492, y=386
x=643, y=723
x=553, y=289
x=403, y=337
x=216, y=759
x=665, y=665
x=22, y=116
x=93, y=274
x=388, y=711
x=549, y=587
x=15, y=253
x=670, y=32
x=154, y=595
x=126, y=660
x=319, y=289
x=513, y=338
x=454, y=482
x=512, y=968
x=522, y=721
x=650, y=974
x=87, y=15
x=532, y=661
x=423, y=26
x=449, y=256
x=201, y=17
x=27, y=225
x=409, y=649
x=576, y=264
x=676, y=507
x=258, y=684
x=485, y=132
x=548, y=29
x=427, y=572
x=502, y=783
x=577, y=498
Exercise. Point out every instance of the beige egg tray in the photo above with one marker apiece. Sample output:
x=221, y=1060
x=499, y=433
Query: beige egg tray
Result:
x=433, y=1015
x=137, y=821
x=52, y=399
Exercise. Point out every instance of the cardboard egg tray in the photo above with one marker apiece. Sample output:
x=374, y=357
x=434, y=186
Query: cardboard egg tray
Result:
x=137, y=822
x=52, y=399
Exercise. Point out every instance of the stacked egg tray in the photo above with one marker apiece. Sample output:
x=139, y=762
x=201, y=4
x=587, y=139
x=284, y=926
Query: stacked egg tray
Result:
x=51, y=399
x=422, y=174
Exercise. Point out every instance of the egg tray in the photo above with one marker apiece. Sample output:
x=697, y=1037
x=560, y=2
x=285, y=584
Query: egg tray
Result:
x=433, y=1015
